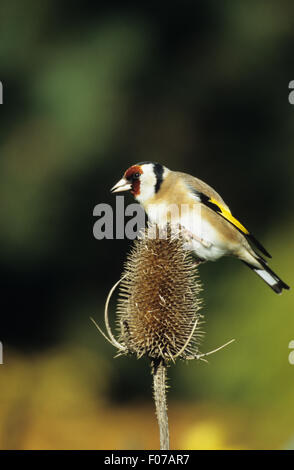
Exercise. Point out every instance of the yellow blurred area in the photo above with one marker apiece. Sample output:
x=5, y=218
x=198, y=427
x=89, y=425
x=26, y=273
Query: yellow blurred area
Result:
x=53, y=402
x=207, y=436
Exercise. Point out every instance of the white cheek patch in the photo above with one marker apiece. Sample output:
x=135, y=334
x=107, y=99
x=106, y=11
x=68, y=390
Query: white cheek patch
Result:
x=147, y=183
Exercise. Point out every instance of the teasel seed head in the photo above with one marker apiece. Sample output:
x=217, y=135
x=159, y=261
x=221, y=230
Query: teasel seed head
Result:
x=158, y=306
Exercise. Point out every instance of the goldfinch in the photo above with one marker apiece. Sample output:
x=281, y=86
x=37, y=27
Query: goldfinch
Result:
x=210, y=228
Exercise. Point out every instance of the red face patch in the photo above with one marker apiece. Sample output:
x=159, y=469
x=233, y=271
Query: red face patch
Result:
x=133, y=175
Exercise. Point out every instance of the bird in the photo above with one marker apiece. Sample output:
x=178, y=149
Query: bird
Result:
x=210, y=230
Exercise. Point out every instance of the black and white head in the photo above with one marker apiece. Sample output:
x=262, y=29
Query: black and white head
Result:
x=143, y=180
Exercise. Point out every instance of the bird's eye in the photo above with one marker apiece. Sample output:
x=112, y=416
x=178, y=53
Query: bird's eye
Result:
x=136, y=176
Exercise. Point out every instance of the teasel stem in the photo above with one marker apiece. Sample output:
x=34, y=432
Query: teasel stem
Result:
x=159, y=368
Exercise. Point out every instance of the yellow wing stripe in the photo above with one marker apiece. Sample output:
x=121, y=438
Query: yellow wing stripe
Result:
x=227, y=215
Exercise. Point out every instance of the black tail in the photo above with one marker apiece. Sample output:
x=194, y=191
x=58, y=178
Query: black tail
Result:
x=269, y=276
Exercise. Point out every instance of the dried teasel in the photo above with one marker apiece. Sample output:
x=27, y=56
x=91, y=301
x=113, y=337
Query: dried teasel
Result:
x=158, y=307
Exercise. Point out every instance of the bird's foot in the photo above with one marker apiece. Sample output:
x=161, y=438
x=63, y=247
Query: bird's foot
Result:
x=188, y=236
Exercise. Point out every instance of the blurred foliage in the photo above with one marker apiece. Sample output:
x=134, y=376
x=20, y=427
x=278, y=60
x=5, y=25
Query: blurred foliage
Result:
x=89, y=89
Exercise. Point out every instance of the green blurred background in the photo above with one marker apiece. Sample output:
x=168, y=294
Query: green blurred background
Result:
x=89, y=89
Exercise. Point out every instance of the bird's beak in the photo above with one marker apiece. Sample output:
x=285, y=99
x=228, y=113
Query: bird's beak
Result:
x=122, y=185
